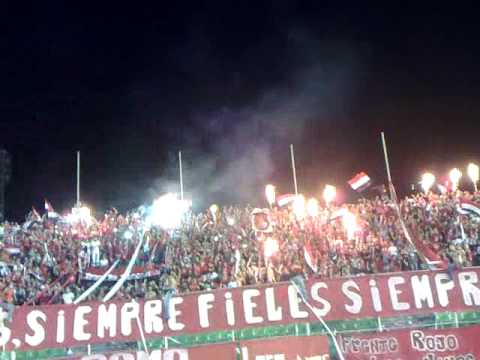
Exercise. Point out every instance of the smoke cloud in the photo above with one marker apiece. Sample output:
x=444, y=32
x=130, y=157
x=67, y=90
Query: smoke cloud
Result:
x=230, y=153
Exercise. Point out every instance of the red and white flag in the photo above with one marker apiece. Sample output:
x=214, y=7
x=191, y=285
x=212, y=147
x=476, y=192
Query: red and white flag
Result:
x=310, y=259
x=49, y=209
x=286, y=199
x=48, y=206
x=468, y=207
x=360, y=182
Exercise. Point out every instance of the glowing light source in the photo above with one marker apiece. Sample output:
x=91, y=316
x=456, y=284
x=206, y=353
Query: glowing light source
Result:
x=349, y=221
x=81, y=214
x=428, y=179
x=167, y=211
x=270, y=194
x=270, y=247
x=329, y=193
x=312, y=207
x=214, y=211
x=473, y=174
x=299, y=206
x=230, y=221
x=455, y=176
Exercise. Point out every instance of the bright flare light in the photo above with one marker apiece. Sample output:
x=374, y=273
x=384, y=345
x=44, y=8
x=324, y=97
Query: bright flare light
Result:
x=270, y=247
x=350, y=224
x=312, y=207
x=473, y=174
x=214, y=210
x=270, y=194
x=299, y=206
x=81, y=214
x=455, y=176
x=330, y=193
x=428, y=179
x=167, y=211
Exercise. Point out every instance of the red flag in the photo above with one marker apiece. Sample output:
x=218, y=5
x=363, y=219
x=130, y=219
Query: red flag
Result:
x=430, y=254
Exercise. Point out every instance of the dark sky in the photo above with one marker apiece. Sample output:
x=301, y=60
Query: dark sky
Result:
x=231, y=84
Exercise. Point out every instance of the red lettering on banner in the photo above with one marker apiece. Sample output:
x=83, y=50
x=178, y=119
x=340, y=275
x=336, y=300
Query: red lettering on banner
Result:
x=425, y=344
x=397, y=294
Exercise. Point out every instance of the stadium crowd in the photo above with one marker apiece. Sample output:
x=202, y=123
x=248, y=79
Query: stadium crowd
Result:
x=46, y=260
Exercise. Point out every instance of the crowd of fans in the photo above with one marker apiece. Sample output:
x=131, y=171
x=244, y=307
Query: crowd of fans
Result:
x=46, y=260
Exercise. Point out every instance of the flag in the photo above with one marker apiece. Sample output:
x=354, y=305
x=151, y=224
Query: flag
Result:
x=286, y=199
x=12, y=250
x=448, y=186
x=425, y=252
x=49, y=209
x=32, y=218
x=429, y=255
x=443, y=189
x=35, y=215
x=340, y=213
x=360, y=182
x=261, y=220
x=48, y=206
x=310, y=259
x=237, y=261
x=468, y=207
x=138, y=273
x=298, y=283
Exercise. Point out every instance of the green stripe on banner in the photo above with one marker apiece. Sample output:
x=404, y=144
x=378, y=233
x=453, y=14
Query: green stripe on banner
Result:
x=437, y=320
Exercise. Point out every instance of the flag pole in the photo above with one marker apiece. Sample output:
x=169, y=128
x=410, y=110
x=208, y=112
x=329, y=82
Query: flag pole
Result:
x=387, y=165
x=78, y=178
x=292, y=156
x=393, y=197
x=181, y=173
x=385, y=153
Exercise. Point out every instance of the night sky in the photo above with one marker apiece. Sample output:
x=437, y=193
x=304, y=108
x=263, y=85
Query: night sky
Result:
x=231, y=84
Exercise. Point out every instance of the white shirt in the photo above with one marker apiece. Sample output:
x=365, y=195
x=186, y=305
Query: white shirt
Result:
x=68, y=297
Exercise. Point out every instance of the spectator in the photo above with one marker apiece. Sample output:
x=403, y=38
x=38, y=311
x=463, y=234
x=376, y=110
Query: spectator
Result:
x=49, y=260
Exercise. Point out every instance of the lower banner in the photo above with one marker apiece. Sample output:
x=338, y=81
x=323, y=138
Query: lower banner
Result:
x=217, y=351
x=421, y=344
x=396, y=295
x=286, y=348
